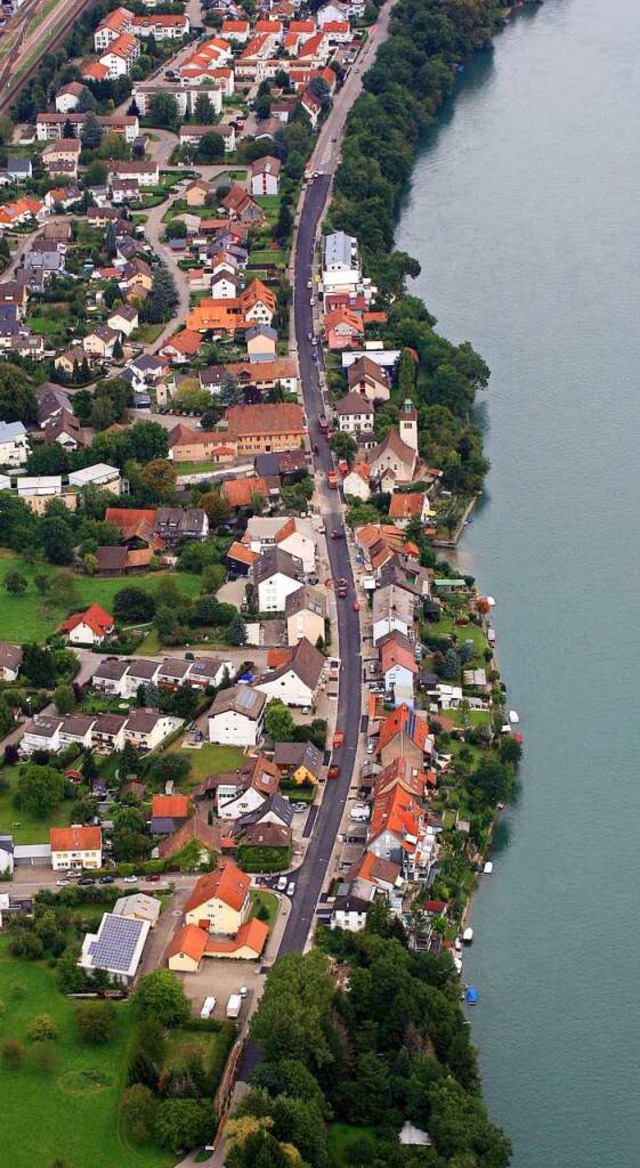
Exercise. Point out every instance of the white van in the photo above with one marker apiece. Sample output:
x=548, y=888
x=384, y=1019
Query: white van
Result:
x=208, y=1007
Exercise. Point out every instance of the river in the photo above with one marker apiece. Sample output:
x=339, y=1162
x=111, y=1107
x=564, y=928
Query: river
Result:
x=524, y=214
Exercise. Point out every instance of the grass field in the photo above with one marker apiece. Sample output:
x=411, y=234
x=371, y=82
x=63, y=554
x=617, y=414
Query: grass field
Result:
x=69, y=1111
x=32, y=830
x=210, y=759
x=191, y=468
x=26, y=618
x=269, y=901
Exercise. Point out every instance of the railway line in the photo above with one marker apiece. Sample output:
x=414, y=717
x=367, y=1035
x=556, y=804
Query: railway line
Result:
x=46, y=38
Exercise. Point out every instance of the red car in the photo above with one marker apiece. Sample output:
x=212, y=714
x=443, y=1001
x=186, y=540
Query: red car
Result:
x=356, y=606
x=333, y=772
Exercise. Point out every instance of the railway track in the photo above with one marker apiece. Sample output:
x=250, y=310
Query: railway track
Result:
x=47, y=38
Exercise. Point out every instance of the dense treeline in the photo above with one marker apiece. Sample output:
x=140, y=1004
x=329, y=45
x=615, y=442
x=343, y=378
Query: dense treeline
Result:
x=414, y=72
x=372, y=1041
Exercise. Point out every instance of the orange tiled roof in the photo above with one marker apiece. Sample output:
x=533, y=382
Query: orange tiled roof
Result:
x=406, y=506
x=95, y=617
x=226, y=883
x=75, y=839
x=239, y=492
x=243, y=554
x=170, y=807
x=253, y=934
x=403, y=721
x=189, y=940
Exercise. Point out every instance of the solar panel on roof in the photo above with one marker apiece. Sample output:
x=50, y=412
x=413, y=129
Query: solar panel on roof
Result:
x=116, y=943
x=246, y=698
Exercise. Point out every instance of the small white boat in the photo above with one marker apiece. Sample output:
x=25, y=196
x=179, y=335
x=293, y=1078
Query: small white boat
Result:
x=491, y=601
x=457, y=944
x=514, y=717
x=467, y=936
x=457, y=961
x=488, y=868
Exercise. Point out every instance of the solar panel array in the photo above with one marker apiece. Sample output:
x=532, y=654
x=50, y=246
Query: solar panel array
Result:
x=116, y=943
x=246, y=698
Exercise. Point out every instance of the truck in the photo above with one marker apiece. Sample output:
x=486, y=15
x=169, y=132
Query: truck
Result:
x=234, y=1006
x=332, y=480
x=323, y=424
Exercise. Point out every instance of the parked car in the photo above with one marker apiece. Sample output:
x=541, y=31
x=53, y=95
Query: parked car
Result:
x=63, y=883
x=153, y=879
x=107, y=880
x=208, y=1007
x=282, y=884
x=333, y=772
x=85, y=881
x=130, y=880
x=244, y=991
x=291, y=888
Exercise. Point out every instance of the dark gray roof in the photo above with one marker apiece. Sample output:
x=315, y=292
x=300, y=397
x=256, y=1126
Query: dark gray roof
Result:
x=294, y=754
x=112, y=669
x=274, y=804
x=241, y=699
x=274, y=560
x=307, y=663
x=305, y=598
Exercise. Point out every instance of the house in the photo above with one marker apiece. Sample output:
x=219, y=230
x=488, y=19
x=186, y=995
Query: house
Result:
x=194, y=831
x=264, y=176
x=146, y=174
x=238, y=797
x=187, y=949
x=393, y=610
x=68, y=96
x=300, y=761
x=175, y=523
x=7, y=849
x=162, y=27
x=367, y=378
x=76, y=730
x=168, y=812
x=305, y=612
x=89, y=627
x=295, y=536
x=14, y=448
x=341, y=270
x=67, y=432
x=41, y=733
x=138, y=907
x=208, y=672
x=354, y=413
x=187, y=445
x=275, y=575
x=408, y=505
x=99, y=342
x=356, y=482
x=312, y=106
x=392, y=461
x=61, y=157
x=75, y=847
x=398, y=666
x=247, y=945
x=116, y=948
x=269, y=426
x=109, y=677
x=275, y=811
x=107, y=735
x=10, y=661
x=120, y=56
x=108, y=30
x=351, y=905
x=173, y=672
x=255, y=305
x=122, y=561
x=239, y=205
x=123, y=319
x=197, y=192
x=237, y=716
x=404, y=734
x=182, y=347
x=146, y=729
x=237, y=31
x=342, y=328
x=266, y=374
x=296, y=682
x=262, y=343
x=141, y=671
x=220, y=900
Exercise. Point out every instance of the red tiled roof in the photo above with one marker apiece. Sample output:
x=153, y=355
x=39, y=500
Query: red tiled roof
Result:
x=226, y=883
x=243, y=554
x=95, y=617
x=253, y=934
x=75, y=839
x=170, y=807
x=403, y=721
x=189, y=940
x=239, y=492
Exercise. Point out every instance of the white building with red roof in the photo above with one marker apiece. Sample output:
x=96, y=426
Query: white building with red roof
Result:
x=90, y=627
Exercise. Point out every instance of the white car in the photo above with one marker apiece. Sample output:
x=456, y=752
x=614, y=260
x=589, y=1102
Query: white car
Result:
x=130, y=879
x=244, y=991
x=63, y=883
x=291, y=888
x=282, y=884
x=208, y=1007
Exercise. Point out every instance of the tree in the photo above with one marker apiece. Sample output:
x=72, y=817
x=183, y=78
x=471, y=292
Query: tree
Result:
x=163, y=110
x=96, y=1022
x=40, y=788
x=38, y=666
x=279, y=723
x=291, y=1020
x=137, y=1111
x=344, y=446
x=118, y=351
x=159, y=476
x=493, y=781
x=203, y=111
x=91, y=131
x=64, y=698
x=237, y=631
x=12, y=1054
x=42, y=1029
x=162, y=301
x=15, y=583
x=263, y=107
x=182, y=1124
x=129, y=760
x=17, y=397
x=210, y=148
x=160, y=996
x=57, y=540
x=176, y=229
x=170, y=767
x=216, y=508
x=133, y=605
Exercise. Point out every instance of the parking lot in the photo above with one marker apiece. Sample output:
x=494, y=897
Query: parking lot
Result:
x=221, y=978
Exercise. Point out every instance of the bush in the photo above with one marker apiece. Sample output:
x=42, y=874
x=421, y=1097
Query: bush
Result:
x=182, y=1124
x=137, y=1113
x=12, y=1054
x=42, y=1029
x=96, y=1021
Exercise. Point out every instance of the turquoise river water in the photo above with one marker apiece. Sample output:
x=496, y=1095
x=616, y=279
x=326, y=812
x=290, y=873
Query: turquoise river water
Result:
x=524, y=214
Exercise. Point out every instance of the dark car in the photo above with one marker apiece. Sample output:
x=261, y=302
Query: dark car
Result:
x=105, y=880
x=152, y=879
x=84, y=881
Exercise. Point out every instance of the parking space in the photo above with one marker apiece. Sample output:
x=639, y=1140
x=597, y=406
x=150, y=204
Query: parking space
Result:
x=220, y=979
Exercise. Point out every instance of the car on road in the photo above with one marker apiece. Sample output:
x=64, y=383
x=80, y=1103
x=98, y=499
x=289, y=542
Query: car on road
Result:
x=355, y=606
x=282, y=884
x=333, y=772
x=291, y=888
x=312, y=302
x=309, y=283
x=335, y=534
x=130, y=879
x=85, y=881
x=63, y=883
x=371, y=746
x=244, y=991
x=309, y=337
x=107, y=880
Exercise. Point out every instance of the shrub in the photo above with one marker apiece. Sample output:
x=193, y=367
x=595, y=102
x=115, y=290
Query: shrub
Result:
x=42, y=1029
x=137, y=1111
x=12, y=1054
x=96, y=1021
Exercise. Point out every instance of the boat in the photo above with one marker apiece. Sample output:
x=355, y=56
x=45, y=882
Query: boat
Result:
x=457, y=961
x=467, y=936
x=491, y=601
x=457, y=944
x=471, y=996
x=488, y=868
x=514, y=717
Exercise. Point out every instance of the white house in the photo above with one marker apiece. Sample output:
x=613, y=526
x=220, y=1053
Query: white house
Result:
x=10, y=661
x=265, y=176
x=6, y=855
x=242, y=802
x=90, y=627
x=145, y=729
x=356, y=482
x=14, y=449
x=392, y=611
x=236, y=717
x=76, y=730
x=110, y=676
x=75, y=847
x=141, y=671
x=124, y=319
x=329, y=13
x=293, y=535
x=398, y=666
x=296, y=683
x=108, y=733
x=341, y=271
x=275, y=575
x=41, y=733
x=354, y=413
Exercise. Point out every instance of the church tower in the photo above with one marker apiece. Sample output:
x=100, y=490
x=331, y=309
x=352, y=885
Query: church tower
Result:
x=409, y=424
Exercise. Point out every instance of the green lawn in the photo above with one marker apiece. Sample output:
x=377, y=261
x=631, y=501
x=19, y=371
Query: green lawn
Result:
x=26, y=618
x=210, y=759
x=270, y=901
x=265, y=256
x=190, y=468
x=342, y=1137
x=69, y=1111
x=32, y=830
x=471, y=632
x=147, y=333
